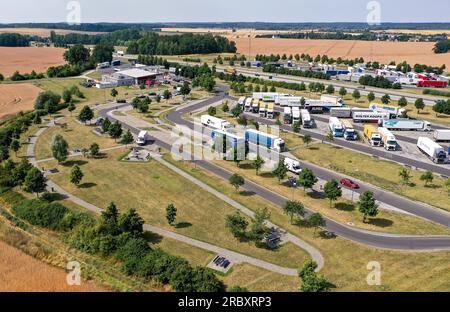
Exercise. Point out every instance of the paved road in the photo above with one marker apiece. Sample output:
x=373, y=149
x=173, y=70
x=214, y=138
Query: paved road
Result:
x=231, y=255
x=379, y=240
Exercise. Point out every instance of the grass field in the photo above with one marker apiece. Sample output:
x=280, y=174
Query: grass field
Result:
x=150, y=187
x=345, y=261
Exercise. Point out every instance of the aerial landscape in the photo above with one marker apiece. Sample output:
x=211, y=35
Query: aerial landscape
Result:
x=214, y=152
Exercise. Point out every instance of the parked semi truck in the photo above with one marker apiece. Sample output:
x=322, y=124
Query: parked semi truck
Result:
x=350, y=133
x=341, y=112
x=388, y=139
x=290, y=101
x=248, y=104
x=372, y=134
x=255, y=106
x=264, y=139
x=241, y=101
x=296, y=115
x=266, y=96
x=335, y=126
x=270, y=110
x=394, y=111
x=262, y=109
x=142, y=138
x=372, y=117
x=293, y=165
x=228, y=140
x=287, y=116
x=441, y=135
x=307, y=122
x=433, y=150
x=216, y=123
x=331, y=99
x=406, y=124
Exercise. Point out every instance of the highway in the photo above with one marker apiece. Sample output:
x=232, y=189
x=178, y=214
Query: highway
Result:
x=379, y=240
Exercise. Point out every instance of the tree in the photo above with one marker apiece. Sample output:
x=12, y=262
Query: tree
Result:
x=307, y=179
x=71, y=108
x=86, y=114
x=294, y=208
x=402, y=102
x=167, y=95
x=307, y=139
x=296, y=127
x=367, y=205
x=212, y=111
x=281, y=170
x=419, y=104
x=20, y=171
x=356, y=95
x=105, y=125
x=237, y=224
x=237, y=289
x=236, y=181
x=127, y=137
x=59, y=148
x=103, y=52
x=405, y=174
x=45, y=97
x=447, y=185
x=37, y=119
x=258, y=163
x=225, y=107
x=94, y=150
x=15, y=146
x=371, y=97
x=185, y=90
x=171, y=214
x=330, y=89
x=35, y=181
x=342, y=91
x=311, y=282
x=330, y=137
x=332, y=191
x=76, y=175
x=115, y=130
x=428, y=177
x=110, y=220
x=386, y=99
x=273, y=89
x=132, y=223
x=114, y=93
x=67, y=96
x=77, y=55
x=259, y=230
x=316, y=220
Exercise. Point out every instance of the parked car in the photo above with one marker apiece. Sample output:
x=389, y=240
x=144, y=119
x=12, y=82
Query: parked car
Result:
x=349, y=183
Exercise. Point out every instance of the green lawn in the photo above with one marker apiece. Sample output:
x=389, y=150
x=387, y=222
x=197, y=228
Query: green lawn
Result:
x=150, y=187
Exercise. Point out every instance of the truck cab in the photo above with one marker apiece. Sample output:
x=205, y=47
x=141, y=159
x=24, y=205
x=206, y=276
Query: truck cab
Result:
x=372, y=134
x=142, y=138
x=262, y=109
x=270, y=111
x=293, y=165
x=287, y=116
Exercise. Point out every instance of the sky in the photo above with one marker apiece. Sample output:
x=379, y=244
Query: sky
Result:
x=152, y=11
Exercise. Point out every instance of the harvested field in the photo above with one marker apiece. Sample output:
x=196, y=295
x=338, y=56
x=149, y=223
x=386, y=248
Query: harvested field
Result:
x=28, y=59
x=15, y=98
x=228, y=32
x=43, y=32
x=385, y=52
x=21, y=272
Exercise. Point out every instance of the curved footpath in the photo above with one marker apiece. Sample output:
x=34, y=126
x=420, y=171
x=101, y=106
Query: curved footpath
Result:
x=374, y=239
x=235, y=257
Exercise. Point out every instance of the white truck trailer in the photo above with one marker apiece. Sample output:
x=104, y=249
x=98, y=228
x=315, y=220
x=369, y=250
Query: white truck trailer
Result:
x=341, y=112
x=335, y=126
x=216, y=123
x=307, y=122
x=296, y=115
x=266, y=96
x=403, y=124
x=369, y=117
x=293, y=165
x=142, y=138
x=433, y=150
x=331, y=99
x=248, y=104
x=394, y=111
x=388, y=139
x=290, y=101
x=441, y=135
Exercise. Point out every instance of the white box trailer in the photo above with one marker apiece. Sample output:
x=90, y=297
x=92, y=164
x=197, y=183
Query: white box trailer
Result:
x=433, y=150
x=441, y=135
x=290, y=101
x=293, y=165
x=341, y=112
x=296, y=115
x=142, y=138
x=216, y=123
x=369, y=116
x=331, y=99
x=388, y=139
x=307, y=122
x=266, y=96
x=403, y=124
x=393, y=110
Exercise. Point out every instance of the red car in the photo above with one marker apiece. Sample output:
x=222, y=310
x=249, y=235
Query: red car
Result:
x=349, y=183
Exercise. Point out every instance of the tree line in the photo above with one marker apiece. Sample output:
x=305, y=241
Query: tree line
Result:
x=15, y=40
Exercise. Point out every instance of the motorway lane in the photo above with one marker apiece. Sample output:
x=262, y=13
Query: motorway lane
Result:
x=379, y=240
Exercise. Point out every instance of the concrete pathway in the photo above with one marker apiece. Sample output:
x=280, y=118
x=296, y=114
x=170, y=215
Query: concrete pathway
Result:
x=234, y=256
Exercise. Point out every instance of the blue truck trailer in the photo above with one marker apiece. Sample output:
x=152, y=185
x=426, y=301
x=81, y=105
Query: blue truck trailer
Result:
x=264, y=139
